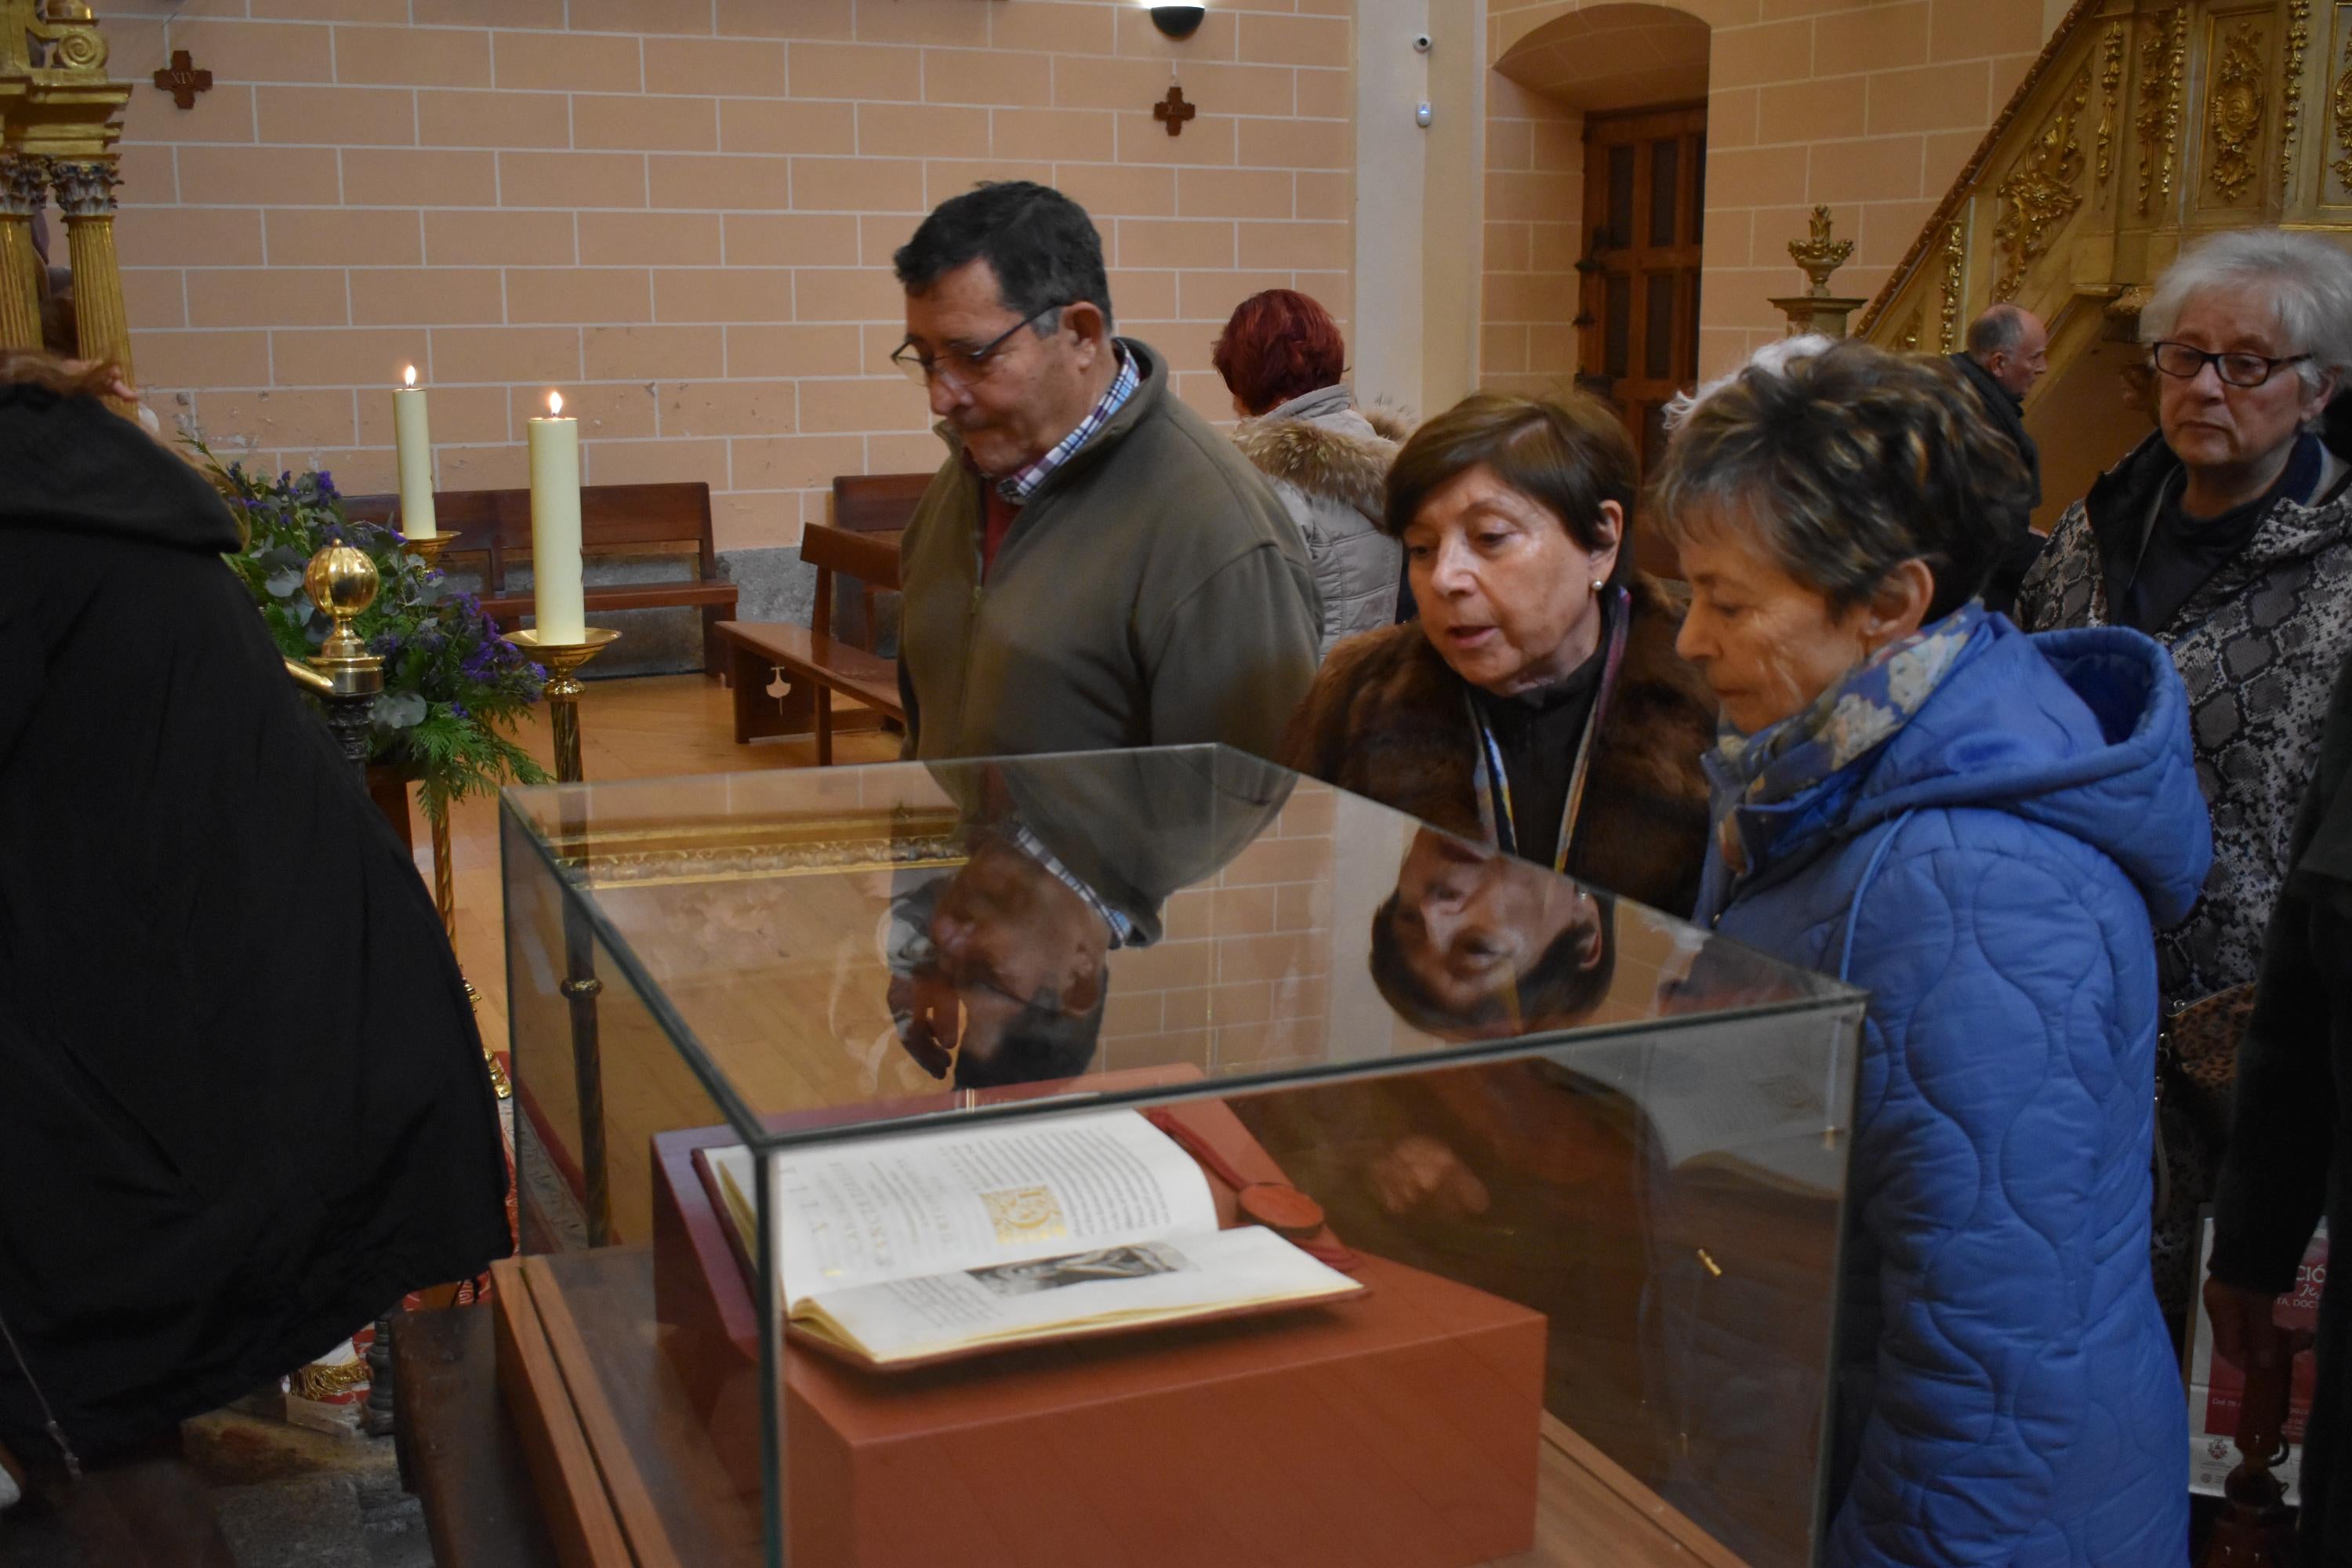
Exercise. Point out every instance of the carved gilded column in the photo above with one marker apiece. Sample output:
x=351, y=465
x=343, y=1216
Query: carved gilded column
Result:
x=24, y=186
x=85, y=188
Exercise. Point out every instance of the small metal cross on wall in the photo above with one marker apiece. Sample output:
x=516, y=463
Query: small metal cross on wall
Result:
x=183, y=80
x=1174, y=112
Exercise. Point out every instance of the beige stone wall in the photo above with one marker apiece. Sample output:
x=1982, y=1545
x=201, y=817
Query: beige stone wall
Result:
x=1870, y=106
x=680, y=213
x=1534, y=224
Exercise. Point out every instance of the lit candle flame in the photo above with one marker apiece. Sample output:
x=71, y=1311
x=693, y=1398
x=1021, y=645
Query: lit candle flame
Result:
x=408, y=376
x=555, y=405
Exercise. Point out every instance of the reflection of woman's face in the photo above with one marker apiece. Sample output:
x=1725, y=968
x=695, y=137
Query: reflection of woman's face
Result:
x=1470, y=925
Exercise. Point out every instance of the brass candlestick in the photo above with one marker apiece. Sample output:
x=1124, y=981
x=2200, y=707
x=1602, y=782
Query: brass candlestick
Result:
x=428, y=550
x=579, y=985
x=564, y=689
x=445, y=872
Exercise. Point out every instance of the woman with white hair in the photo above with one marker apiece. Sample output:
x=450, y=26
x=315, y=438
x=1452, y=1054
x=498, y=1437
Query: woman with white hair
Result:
x=2227, y=536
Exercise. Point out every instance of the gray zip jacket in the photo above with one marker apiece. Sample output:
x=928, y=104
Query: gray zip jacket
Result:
x=1330, y=464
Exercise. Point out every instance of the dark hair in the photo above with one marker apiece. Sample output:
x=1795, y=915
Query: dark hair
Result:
x=1040, y=244
x=1558, y=990
x=1279, y=345
x=1042, y=1044
x=1999, y=330
x=1847, y=463
x=1569, y=453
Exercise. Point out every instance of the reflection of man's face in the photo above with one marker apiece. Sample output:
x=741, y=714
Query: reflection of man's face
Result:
x=1470, y=924
x=1008, y=935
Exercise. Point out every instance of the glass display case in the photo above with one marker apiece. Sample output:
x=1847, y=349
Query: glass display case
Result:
x=1149, y=1158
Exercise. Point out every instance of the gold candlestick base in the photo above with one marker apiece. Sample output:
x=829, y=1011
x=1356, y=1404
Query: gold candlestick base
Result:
x=428, y=550
x=564, y=689
x=579, y=985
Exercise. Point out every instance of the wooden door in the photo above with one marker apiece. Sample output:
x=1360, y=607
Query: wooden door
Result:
x=1644, y=192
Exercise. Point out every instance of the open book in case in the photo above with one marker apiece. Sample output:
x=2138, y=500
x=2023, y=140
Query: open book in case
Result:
x=1149, y=1158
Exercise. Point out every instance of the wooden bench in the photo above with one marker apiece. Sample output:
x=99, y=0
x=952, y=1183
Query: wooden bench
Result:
x=870, y=512
x=496, y=526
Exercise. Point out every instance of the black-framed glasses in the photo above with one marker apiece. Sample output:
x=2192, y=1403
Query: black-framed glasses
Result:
x=959, y=368
x=2183, y=362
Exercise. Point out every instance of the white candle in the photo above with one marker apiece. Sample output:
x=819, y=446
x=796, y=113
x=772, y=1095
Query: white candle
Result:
x=555, y=525
x=414, y=440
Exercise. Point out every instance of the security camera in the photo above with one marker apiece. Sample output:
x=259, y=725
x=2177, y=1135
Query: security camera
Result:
x=1421, y=43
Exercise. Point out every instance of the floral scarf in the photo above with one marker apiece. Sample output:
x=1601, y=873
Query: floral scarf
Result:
x=1814, y=746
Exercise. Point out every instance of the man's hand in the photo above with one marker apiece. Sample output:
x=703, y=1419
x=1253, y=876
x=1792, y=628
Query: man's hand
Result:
x=2244, y=1333
x=2247, y=1335
x=1420, y=1173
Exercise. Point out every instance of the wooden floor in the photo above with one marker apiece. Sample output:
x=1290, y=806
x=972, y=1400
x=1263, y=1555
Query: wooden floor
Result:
x=649, y=727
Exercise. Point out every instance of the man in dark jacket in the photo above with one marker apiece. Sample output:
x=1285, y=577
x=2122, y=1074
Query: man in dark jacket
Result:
x=2292, y=1126
x=2008, y=350
x=1093, y=566
x=242, y=1102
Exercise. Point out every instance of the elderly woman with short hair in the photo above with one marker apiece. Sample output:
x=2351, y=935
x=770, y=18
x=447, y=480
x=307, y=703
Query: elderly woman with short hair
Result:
x=1538, y=704
x=2227, y=536
x=1973, y=825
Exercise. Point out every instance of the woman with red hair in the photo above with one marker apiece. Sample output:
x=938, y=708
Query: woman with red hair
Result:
x=1282, y=357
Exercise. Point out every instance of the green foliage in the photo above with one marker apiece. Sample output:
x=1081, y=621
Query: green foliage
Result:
x=453, y=688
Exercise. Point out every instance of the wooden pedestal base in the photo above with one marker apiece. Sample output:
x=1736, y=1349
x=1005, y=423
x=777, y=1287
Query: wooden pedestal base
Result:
x=628, y=1477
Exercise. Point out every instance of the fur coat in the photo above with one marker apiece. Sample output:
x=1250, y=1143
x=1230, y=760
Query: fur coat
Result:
x=1329, y=463
x=1389, y=719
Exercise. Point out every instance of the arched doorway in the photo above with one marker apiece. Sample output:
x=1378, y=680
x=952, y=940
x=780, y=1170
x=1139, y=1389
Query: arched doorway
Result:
x=1597, y=135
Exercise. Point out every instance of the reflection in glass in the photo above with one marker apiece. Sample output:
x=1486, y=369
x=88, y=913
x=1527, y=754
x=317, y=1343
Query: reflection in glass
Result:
x=1552, y=1101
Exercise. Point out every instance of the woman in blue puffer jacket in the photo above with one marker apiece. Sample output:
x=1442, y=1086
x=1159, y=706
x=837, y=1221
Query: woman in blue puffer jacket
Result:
x=1975, y=826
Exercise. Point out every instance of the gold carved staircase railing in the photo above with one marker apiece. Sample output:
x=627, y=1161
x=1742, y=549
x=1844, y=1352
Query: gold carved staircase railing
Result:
x=2140, y=128
x=59, y=127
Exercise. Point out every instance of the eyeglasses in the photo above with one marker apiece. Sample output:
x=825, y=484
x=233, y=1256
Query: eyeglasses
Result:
x=2184, y=363
x=959, y=368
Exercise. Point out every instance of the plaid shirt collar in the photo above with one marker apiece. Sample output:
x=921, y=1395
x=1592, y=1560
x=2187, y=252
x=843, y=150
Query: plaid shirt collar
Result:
x=1019, y=486
x=1122, y=930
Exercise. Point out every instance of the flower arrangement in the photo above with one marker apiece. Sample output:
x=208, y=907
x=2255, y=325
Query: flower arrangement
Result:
x=453, y=688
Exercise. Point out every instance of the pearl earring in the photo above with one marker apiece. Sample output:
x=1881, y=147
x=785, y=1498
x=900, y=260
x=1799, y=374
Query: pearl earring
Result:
x=1598, y=584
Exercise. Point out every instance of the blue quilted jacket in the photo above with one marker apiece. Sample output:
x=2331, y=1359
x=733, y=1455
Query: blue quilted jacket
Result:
x=2006, y=1391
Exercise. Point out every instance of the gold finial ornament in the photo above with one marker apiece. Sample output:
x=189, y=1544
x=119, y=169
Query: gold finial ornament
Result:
x=1817, y=309
x=342, y=581
x=1819, y=255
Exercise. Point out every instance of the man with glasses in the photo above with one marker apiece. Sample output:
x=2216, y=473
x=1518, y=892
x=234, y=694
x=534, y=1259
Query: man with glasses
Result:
x=1093, y=566
x=2008, y=350
x=2227, y=536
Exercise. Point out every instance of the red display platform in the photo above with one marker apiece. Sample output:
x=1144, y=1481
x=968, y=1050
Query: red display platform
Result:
x=1398, y=1429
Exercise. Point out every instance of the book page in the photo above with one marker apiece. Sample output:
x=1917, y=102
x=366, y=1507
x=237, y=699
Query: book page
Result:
x=897, y=1208
x=1106, y=1288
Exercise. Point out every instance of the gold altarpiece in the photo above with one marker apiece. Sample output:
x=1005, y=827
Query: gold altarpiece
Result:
x=2140, y=128
x=60, y=122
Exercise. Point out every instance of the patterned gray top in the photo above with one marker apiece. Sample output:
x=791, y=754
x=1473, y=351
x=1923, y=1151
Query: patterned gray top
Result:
x=2258, y=646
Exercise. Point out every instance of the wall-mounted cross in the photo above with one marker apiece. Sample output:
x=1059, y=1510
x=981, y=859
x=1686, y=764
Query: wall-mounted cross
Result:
x=1174, y=112
x=183, y=80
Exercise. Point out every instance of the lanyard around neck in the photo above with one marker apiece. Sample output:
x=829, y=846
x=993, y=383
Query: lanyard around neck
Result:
x=1491, y=783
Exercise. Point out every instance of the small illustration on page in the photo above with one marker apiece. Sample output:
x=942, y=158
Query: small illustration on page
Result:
x=1079, y=1269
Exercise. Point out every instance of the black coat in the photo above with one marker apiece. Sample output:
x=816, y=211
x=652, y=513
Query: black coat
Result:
x=242, y=1102
x=2291, y=1145
x=2023, y=545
